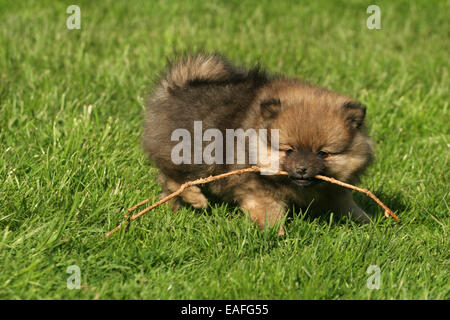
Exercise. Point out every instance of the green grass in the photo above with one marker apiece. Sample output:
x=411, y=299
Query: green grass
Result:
x=71, y=162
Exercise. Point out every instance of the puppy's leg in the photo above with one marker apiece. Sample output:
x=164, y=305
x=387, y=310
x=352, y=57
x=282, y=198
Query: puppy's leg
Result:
x=174, y=203
x=192, y=195
x=344, y=204
x=195, y=197
x=263, y=210
x=357, y=213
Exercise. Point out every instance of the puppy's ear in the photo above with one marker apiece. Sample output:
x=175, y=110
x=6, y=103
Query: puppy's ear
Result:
x=354, y=113
x=270, y=108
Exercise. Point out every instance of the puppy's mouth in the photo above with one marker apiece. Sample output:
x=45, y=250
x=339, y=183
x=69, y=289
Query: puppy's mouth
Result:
x=304, y=182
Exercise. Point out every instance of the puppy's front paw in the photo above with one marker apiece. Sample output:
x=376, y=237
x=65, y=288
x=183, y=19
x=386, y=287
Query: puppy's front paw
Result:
x=195, y=197
x=200, y=202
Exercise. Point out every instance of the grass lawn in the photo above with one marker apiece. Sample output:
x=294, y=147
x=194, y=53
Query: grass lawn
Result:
x=71, y=161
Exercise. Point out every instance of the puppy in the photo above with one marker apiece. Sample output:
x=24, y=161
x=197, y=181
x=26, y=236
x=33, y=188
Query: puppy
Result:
x=309, y=130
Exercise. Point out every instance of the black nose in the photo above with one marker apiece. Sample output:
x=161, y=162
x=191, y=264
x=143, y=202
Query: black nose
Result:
x=301, y=169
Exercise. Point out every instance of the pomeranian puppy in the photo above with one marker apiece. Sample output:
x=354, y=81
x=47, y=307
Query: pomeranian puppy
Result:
x=309, y=131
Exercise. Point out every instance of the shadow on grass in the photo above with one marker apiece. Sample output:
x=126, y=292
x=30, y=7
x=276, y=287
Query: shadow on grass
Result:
x=393, y=200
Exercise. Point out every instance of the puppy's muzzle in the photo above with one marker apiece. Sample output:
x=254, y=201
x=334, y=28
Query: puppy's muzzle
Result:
x=302, y=166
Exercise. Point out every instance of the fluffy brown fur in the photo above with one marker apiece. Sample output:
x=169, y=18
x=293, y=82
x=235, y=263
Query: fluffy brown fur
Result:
x=321, y=132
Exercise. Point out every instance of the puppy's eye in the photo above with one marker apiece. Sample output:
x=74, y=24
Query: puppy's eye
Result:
x=289, y=151
x=323, y=154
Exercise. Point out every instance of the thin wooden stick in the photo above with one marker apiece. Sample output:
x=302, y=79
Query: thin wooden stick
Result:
x=387, y=212
x=136, y=206
x=176, y=193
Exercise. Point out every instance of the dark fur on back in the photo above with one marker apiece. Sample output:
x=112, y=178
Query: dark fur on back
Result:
x=218, y=94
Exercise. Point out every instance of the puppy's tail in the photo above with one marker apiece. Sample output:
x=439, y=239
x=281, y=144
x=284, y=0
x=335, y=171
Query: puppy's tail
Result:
x=199, y=68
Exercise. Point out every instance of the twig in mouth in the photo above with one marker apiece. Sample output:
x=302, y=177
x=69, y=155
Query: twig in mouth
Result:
x=387, y=212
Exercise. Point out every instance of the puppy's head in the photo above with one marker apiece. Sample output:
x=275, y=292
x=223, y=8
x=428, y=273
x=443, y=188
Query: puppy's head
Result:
x=320, y=132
